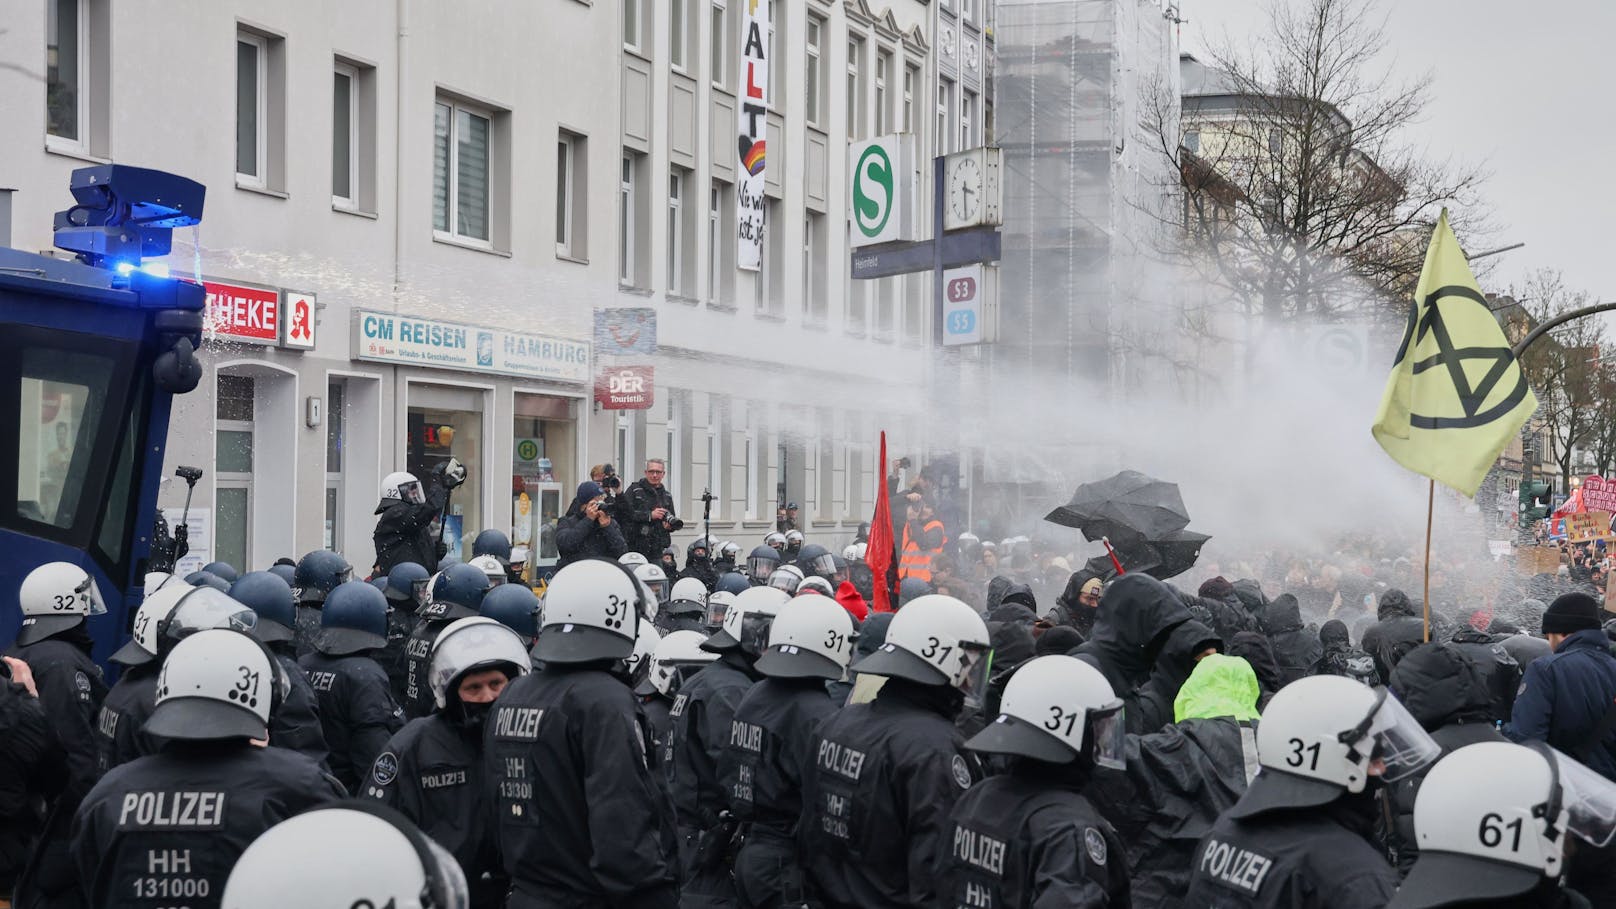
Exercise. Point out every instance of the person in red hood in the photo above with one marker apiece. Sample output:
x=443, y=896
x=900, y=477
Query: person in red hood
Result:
x=849, y=597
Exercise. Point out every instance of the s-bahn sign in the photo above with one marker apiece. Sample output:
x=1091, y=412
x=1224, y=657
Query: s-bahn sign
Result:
x=882, y=190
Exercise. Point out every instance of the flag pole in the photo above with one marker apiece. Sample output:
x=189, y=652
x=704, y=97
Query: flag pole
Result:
x=1430, y=511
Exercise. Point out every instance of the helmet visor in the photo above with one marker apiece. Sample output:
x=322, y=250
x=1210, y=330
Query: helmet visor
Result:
x=976, y=663
x=661, y=589
x=758, y=568
x=755, y=632
x=717, y=606
x=411, y=492
x=419, y=589
x=1589, y=800
x=89, y=592
x=1108, y=733
x=823, y=565
x=1401, y=744
x=205, y=608
x=784, y=580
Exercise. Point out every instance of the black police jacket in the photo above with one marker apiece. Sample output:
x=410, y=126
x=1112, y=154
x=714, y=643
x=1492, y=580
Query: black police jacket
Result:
x=357, y=711
x=123, y=713
x=582, y=817
x=634, y=507
x=1301, y=859
x=703, y=571
x=404, y=531
x=393, y=658
x=876, y=801
x=770, y=746
x=165, y=829
x=656, y=709
x=432, y=772
x=32, y=772
x=698, y=732
x=71, y=689
x=296, y=723
x=417, y=698
x=307, y=630
x=1027, y=838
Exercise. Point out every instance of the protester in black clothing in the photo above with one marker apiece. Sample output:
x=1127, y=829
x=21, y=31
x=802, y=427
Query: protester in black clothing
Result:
x=1296, y=646
x=33, y=769
x=1401, y=628
x=1339, y=657
x=587, y=530
x=646, y=512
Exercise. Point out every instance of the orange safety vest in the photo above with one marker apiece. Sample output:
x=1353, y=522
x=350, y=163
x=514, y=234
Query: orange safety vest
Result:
x=916, y=562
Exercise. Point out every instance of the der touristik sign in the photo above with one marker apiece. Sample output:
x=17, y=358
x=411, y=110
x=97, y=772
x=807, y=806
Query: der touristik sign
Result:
x=625, y=388
x=389, y=338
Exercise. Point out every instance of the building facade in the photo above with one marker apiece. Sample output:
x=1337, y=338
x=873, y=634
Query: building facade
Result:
x=415, y=209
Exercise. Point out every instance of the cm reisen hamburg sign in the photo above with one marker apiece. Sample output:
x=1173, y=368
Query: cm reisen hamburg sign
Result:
x=388, y=338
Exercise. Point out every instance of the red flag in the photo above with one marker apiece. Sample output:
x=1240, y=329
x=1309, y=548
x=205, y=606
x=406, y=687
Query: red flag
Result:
x=878, y=555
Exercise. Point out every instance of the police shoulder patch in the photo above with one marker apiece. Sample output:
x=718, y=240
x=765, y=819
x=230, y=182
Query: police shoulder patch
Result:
x=385, y=770
x=1094, y=842
x=962, y=773
x=81, y=681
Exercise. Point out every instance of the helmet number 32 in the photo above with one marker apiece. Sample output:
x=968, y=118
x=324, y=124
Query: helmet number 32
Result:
x=1301, y=752
x=64, y=601
x=1492, y=831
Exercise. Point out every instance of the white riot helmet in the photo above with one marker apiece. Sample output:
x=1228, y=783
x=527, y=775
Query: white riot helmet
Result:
x=656, y=580
x=631, y=559
x=473, y=645
x=353, y=853
x=54, y=597
x=1057, y=709
x=677, y=657
x=855, y=552
x=1491, y=820
x=689, y=597
x=638, y=664
x=217, y=684
x=490, y=566
x=787, y=578
x=816, y=584
x=1319, y=737
x=718, y=604
x=935, y=640
x=591, y=612
x=812, y=637
x=403, y=486
x=142, y=646
x=775, y=540
x=794, y=538
x=746, y=622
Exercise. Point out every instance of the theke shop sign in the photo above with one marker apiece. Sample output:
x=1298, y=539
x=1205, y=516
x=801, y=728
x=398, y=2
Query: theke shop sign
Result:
x=242, y=313
x=625, y=388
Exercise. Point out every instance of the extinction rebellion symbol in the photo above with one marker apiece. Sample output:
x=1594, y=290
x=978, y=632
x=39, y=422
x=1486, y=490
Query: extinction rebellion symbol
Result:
x=872, y=191
x=1471, y=399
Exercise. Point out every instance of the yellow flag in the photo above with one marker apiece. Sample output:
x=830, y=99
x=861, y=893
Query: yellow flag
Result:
x=1456, y=396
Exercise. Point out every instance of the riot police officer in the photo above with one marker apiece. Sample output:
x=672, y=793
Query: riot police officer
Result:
x=771, y=740
x=1493, y=821
x=699, y=563
x=295, y=724
x=515, y=607
x=698, y=732
x=816, y=561
x=119, y=725
x=1019, y=837
x=405, y=514
x=495, y=543
x=457, y=593
x=582, y=818
x=406, y=588
x=166, y=828
x=677, y=657
x=432, y=770
x=351, y=854
x=318, y=573
x=687, y=606
x=357, y=710
x=887, y=773
x=762, y=563
x=1298, y=837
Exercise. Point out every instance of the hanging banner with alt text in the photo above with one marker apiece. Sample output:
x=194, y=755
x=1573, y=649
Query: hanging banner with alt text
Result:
x=753, y=122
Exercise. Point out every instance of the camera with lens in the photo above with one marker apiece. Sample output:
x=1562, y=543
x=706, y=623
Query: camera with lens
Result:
x=610, y=480
x=674, y=524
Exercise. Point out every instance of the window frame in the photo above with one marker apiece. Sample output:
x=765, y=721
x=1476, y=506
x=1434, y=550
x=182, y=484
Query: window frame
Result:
x=260, y=44
x=637, y=45
x=813, y=64
x=351, y=202
x=967, y=133
x=81, y=75
x=679, y=35
x=566, y=173
x=945, y=101
x=910, y=72
x=855, y=87
x=628, y=226
x=676, y=239
x=456, y=107
x=883, y=69
x=718, y=15
x=753, y=476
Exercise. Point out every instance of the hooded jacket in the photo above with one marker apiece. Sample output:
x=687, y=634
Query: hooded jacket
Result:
x=1020, y=594
x=998, y=585
x=1500, y=673
x=848, y=596
x=1563, y=698
x=1218, y=605
x=1339, y=657
x=1069, y=608
x=1153, y=707
x=1296, y=647
x=1135, y=615
x=1177, y=781
x=1256, y=650
x=1400, y=629
x=1444, y=689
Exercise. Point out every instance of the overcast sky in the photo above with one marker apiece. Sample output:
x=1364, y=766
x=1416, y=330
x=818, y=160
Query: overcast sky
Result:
x=1524, y=89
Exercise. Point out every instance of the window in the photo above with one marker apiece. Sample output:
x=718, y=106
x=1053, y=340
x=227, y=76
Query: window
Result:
x=885, y=290
x=945, y=101
x=768, y=272
x=967, y=10
x=1192, y=141
x=967, y=109
x=855, y=99
x=816, y=27
x=856, y=290
x=754, y=477
x=909, y=73
x=252, y=103
x=719, y=14
x=461, y=169
x=914, y=307
x=625, y=220
x=720, y=274
x=715, y=452
x=676, y=232
x=677, y=464
x=1276, y=141
x=233, y=469
x=634, y=26
x=336, y=426
x=67, y=56
x=572, y=193
x=883, y=65
x=677, y=34
x=345, y=136
x=813, y=268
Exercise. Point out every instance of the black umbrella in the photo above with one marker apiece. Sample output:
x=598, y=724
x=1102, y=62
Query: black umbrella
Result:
x=1162, y=559
x=1129, y=507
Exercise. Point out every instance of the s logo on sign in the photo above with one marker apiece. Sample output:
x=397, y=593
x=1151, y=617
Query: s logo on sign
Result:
x=872, y=191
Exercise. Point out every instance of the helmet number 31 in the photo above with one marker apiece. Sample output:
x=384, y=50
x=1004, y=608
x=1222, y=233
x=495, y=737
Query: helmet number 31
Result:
x=936, y=650
x=1057, y=716
x=1302, y=752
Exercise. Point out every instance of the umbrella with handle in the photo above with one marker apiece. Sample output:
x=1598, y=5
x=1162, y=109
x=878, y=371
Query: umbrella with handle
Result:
x=1162, y=559
x=1129, y=507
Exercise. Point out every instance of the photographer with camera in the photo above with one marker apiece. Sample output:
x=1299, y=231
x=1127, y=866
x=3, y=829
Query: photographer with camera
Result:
x=407, y=509
x=646, y=512
x=587, y=530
